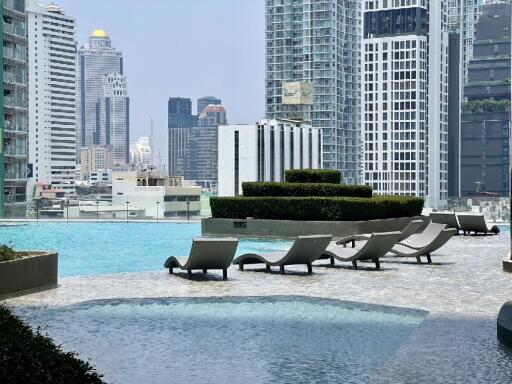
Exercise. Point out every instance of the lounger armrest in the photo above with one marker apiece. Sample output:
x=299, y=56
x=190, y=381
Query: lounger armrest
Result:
x=349, y=239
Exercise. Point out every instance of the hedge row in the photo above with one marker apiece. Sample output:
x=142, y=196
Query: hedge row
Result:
x=316, y=208
x=28, y=357
x=312, y=176
x=260, y=189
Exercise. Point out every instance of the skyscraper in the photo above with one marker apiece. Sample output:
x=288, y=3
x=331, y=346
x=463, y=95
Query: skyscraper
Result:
x=212, y=116
x=485, y=121
x=406, y=98
x=179, y=112
x=141, y=153
x=463, y=16
x=52, y=95
x=13, y=110
x=113, y=117
x=96, y=59
x=205, y=101
x=319, y=42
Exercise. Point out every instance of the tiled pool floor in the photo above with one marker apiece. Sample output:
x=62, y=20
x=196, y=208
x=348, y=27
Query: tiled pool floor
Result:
x=463, y=291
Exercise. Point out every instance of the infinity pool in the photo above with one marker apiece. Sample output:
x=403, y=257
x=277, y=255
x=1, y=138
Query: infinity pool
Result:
x=231, y=340
x=108, y=248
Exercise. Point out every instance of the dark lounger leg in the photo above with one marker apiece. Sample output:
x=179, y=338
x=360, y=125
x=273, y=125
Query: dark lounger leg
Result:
x=310, y=268
x=171, y=270
x=241, y=266
x=189, y=273
x=353, y=243
x=377, y=263
x=267, y=268
x=332, y=261
x=354, y=264
x=205, y=270
x=281, y=269
x=418, y=259
x=225, y=274
x=429, y=259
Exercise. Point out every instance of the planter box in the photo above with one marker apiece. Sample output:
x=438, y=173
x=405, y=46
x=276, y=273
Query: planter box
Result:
x=37, y=271
x=288, y=229
x=507, y=264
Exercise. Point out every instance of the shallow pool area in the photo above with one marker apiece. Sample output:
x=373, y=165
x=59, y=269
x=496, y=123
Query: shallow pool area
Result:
x=231, y=340
x=87, y=248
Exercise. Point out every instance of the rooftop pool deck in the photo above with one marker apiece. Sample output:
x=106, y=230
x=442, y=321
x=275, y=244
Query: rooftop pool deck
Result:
x=451, y=339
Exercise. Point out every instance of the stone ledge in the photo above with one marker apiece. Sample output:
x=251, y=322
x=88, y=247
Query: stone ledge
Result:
x=505, y=325
x=289, y=229
x=39, y=270
x=507, y=264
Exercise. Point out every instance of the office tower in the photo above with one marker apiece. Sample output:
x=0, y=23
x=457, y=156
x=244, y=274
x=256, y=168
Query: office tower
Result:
x=318, y=42
x=485, y=120
x=463, y=16
x=212, y=116
x=13, y=111
x=179, y=112
x=141, y=153
x=96, y=59
x=113, y=117
x=205, y=101
x=95, y=158
x=264, y=151
x=52, y=95
x=406, y=98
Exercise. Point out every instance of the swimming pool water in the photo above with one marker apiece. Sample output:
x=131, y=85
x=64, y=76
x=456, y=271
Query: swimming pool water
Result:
x=108, y=248
x=231, y=340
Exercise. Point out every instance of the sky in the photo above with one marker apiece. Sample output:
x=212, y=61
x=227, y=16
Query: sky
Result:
x=185, y=48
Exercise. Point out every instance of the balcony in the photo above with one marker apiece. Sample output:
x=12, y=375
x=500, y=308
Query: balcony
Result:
x=15, y=30
x=16, y=175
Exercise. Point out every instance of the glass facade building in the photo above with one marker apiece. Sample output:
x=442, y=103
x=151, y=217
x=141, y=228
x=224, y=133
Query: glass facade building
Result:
x=319, y=41
x=485, y=119
x=14, y=113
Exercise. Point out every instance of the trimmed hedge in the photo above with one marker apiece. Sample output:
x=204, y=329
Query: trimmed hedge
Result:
x=28, y=357
x=259, y=189
x=316, y=208
x=312, y=176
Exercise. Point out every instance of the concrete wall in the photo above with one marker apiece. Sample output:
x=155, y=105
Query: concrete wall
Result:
x=283, y=229
x=33, y=272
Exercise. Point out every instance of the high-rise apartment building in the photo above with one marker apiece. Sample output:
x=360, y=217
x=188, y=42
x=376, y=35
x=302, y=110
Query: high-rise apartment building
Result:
x=13, y=110
x=96, y=59
x=95, y=158
x=113, y=117
x=485, y=121
x=319, y=42
x=52, y=95
x=406, y=98
x=205, y=101
x=141, y=153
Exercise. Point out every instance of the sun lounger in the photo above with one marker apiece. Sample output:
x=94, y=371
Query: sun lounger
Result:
x=403, y=251
x=409, y=230
x=205, y=254
x=448, y=218
x=425, y=238
x=304, y=250
x=376, y=247
x=476, y=224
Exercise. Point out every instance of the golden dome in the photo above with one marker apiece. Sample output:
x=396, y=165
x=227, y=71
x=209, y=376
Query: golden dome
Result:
x=100, y=33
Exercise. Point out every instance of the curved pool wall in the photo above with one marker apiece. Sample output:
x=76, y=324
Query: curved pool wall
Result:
x=231, y=340
x=108, y=248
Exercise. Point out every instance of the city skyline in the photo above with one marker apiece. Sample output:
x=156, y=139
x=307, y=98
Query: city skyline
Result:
x=229, y=65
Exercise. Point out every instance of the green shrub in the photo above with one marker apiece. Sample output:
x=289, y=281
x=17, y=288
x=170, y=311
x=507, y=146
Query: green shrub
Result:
x=259, y=189
x=316, y=208
x=8, y=254
x=28, y=357
x=312, y=176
